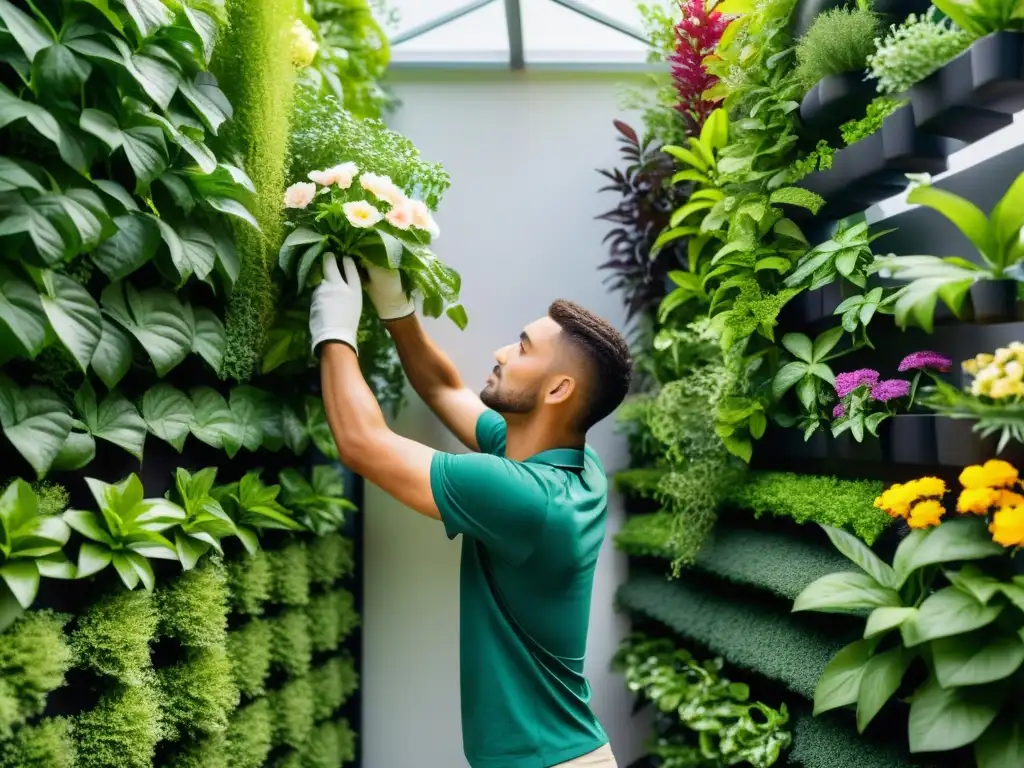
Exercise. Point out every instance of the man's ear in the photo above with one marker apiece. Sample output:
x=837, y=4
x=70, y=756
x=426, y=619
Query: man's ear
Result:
x=560, y=389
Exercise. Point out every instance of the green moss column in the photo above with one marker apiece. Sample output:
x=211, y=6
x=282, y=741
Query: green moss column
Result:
x=254, y=67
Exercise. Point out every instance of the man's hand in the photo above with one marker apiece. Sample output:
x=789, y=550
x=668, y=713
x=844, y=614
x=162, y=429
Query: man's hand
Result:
x=387, y=294
x=337, y=305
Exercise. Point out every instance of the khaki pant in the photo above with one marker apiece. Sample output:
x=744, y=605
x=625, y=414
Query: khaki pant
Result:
x=600, y=758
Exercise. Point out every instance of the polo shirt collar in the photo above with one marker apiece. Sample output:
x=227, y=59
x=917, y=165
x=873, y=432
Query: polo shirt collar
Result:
x=564, y=458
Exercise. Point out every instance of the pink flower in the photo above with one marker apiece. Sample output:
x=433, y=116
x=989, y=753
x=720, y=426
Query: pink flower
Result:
x=342, y=175
x=421, y=218
x=918, y=361
x=847, y=382
x=839, y=411
x=400, y=217
x=890, y=389
x=299, y=195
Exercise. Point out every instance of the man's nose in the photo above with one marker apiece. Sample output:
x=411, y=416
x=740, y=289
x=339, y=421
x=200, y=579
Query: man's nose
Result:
x=501, y=355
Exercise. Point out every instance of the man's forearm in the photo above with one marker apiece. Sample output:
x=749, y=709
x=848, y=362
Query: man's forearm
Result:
x=428, y=368
x=353, y=413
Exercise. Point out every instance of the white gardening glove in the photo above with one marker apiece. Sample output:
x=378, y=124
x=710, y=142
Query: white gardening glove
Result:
x=386, y=292
x=337, y=305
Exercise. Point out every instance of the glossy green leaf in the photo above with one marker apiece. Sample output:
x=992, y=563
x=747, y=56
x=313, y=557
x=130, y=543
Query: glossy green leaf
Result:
x=207, y=100
x=976, y=658
x=25, y=30
x=887, y=618
x=113, y=419
x=883, y=675
x=961, y=538
x=22, y=579
x=213, y=422
x=58, y=72
x=944, y=719
x=23, y=322
x=952, y=612
x=12, y=108
x=210, y=338
x=161, y=323
x=113, y=355
x=35, y=421
x=248, y=413
x=1002, y=743
x=845, y=592
x=168, y=413
x=860, y=555
x=134, y=244
x=73, y=315
x=839, y=684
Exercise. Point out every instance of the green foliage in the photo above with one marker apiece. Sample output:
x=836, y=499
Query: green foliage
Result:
x=33, y=659
x=253, y=506
x=878, y=110
x=249, y=649
x=737, y=627
x=838, y=41
x=199, y=694
x=700, y=707
x=194, y=607
x=114, y=636
x=290, y=575
x=332, y=616
x=330, y=745
x=122, y=731
x=251, y=734
x=47, y=744
x=845, y=504
x=249, y=583
x=330, y=558
x=293, y=713
x=319, y=502
x=51, y=498
x=253, y=61
x=826, y=742
x=333, y=683
x=207, y=752
x=915, y=49
x=325, y=135
x=291, y=646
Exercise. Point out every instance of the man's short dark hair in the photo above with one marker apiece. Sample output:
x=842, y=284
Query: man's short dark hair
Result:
x=606, y=352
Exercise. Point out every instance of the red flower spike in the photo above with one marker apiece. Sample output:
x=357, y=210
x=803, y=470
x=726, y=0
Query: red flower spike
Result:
x=697, y=37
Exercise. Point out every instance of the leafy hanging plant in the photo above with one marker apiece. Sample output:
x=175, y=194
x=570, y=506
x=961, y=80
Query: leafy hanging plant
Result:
x=319, y=503
x=253, y=506
x=205, y=523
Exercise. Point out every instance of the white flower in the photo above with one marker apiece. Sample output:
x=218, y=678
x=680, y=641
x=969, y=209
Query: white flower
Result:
x=401, y=217
x=383, y=188
x=342, y=175
x=421, y=219
x=361, y=214
x=304, y=46
x=299, y=195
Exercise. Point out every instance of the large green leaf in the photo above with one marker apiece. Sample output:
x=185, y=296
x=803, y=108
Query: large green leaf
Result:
x=294, y=429
x=14, y=176
x=860, y=555
x=74, y=316
x=839, y=684
x=964, y=214
x=962, y=538
x=233, y=208
x=214, y=423
x=113, y=355
x=12, y=108
x=200, y=249
x=78, y=450
x=133, y=245
x=210, y=338
x=50, y=230
x=146, y=151
x=22, y=578
x=158, y=78
x=1002, y=744
x=22, y=313
x=114, y=419
x=248, y=412
x=27, y=33
x=205, y=26
x=161, y=323
x=207, y=100
x=58, y=72
x=976, y=658
x=148, y=15
x=885, y=619
x=845, y=592
x=168, y=413
x=942, y=719
x=882, y=678
x=35, y=421
x=952, y=612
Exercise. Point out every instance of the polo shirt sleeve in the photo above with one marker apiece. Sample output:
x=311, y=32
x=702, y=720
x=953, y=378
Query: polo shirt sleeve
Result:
x=498, y=502
x=490, y=433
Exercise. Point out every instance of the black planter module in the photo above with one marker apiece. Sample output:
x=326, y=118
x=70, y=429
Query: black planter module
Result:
x=994, y=301
x=909, y=438
x=958, y=445
x=845, y=448
x=875, y=167
x=834, y=101
x=893, y=11
x=975, y=94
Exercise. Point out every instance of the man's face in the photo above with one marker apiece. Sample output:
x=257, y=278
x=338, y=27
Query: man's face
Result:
x=524, y=370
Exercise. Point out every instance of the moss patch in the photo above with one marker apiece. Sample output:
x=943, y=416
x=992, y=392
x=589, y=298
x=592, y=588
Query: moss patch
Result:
x=249, y=651
x=249, y=580
x=47, y=744
x=33, y=659
x=194, y=607
x=330, y=558
x=122, y=731
x=114, y=636
x=251, y=734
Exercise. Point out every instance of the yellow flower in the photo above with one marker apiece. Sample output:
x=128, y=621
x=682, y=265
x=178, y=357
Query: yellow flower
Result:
x=926, y=486
x=994, y=473
x=1002, y=388
x=1014, y=370
x=975, y=364
x=1003, y=355
x=304, y=45
x=1007, y=527
x=977, y=500
x=926, y=514
x=897, y=500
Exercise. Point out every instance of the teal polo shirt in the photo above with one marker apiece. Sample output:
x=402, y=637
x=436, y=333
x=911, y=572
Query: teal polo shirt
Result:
x=531, y=533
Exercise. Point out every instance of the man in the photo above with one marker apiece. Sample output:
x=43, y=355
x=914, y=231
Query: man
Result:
x=530, y=504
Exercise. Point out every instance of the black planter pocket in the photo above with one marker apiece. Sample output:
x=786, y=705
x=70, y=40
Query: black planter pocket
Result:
x=958, y=445
x=845, y=448
x=834, y=101
x=801, y=310
x=875, y=167
x=994, y=301
x=909, y=439
x=975, y=94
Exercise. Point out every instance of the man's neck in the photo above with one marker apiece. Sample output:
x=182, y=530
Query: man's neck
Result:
x=526, y=437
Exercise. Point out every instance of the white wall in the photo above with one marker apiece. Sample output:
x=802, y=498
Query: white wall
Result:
x=519, y=225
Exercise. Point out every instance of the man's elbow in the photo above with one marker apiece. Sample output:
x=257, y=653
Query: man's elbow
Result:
x=355, y=450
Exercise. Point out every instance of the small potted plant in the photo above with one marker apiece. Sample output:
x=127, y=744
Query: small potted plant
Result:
x=909, y=438
x=865, y=401
x=986, y=418
x=985, y=292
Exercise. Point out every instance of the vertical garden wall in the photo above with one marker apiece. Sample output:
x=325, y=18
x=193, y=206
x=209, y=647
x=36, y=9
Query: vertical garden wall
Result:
x=179, y=549
x=824, y=495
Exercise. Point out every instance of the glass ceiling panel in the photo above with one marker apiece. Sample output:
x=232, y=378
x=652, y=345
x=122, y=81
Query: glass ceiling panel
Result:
x=555, y=34
x=625, y=11
x=480, y=36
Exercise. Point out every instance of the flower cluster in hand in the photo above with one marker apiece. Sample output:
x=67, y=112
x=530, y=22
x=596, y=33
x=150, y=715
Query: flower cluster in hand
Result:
x=919, y=502
x=697, y=37
x=376, y=199
x=999, y=376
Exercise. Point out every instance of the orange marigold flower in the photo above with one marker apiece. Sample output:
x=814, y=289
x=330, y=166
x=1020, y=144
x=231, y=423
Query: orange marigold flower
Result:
x=925, y=486
x=1007, y=527
x=978, y=500
x=926, y=514
x=994, y=473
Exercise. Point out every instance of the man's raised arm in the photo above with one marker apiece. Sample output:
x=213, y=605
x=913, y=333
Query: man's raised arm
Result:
x=430, y=371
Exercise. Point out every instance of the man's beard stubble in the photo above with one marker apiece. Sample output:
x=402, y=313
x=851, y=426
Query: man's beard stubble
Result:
x=507, y=401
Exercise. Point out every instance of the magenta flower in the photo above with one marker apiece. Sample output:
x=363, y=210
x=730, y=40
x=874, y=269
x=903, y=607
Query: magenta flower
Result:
x=847, y=382
x=839, y=411
x=918, y=361
x=890, y=389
